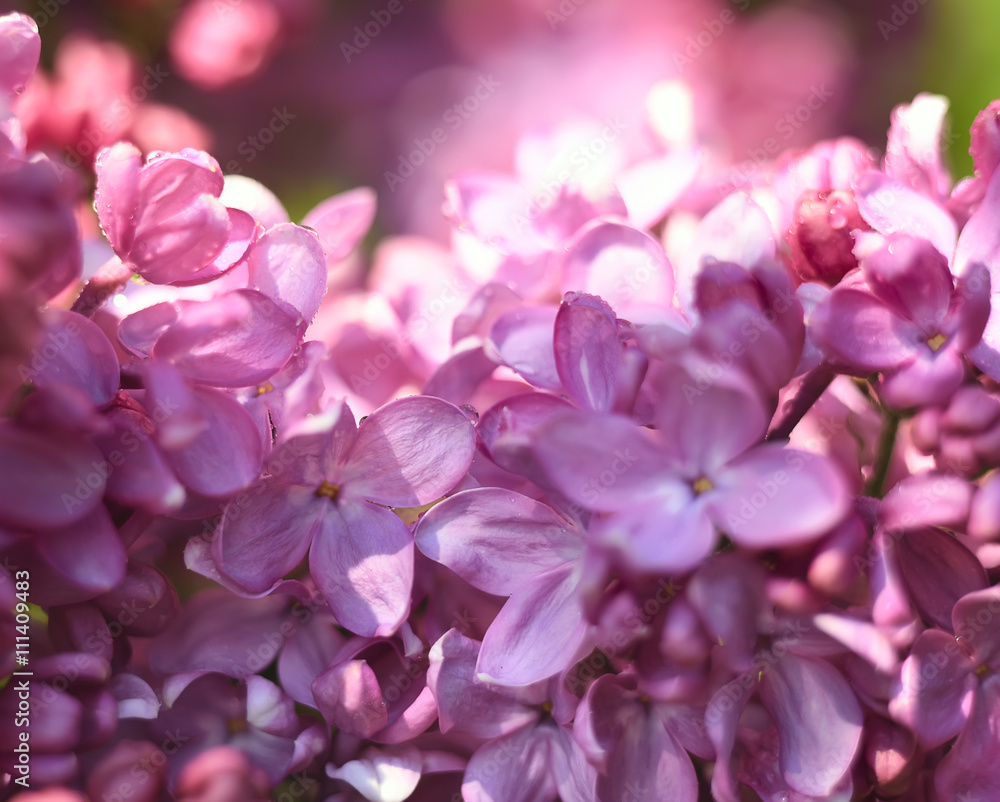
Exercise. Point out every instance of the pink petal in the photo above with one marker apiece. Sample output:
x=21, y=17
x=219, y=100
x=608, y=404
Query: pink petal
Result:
x=244, y=231
x=934, y=688
x=227, y=455
x=522, y=339
x=891, y=207
x=140, y=475
x=860, y=332
x=602, y=462
x=410, y=452
x=350, y=698
x=20, y=47
x=588, y=353
x=913, y=150
x=818, y=720
x=362, y=562
x=342, y=221
x=265, y=533
x=218, y=631
x=117, y=194
x=912, y=278
x=514, y=768
x=971, y=771
x=497, y=540
x=250, y=196
x=976, y=621
x=736, y=231
x=238, y=339
x=468, y=707
x=537, y=633
x=287, y=264
x=926, y=499
x=47, y=482
x=75, y=352
x=938, y=571
x=729, y=408
x=389, y=775
x=621, y=264
x=89, y=553
x=774, y=497
x=647, y=761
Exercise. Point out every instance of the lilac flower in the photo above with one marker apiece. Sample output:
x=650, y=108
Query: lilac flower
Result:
x=665, y=495
x=510, y=545
x=906, y=316
x=333, y=502
x=526, y=754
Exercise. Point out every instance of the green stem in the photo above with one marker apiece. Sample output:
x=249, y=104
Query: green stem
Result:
x=883, y=457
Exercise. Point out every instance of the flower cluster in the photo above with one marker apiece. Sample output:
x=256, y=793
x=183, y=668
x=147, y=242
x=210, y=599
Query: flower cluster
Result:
x=677, y=485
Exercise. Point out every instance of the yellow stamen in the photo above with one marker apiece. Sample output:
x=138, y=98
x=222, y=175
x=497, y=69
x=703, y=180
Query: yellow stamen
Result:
x=936, y=341
x=327, y=490
x=982, y=670
x=547, y=707
x=266, y=387
x=702, y=485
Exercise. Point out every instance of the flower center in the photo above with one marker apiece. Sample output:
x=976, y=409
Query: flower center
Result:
x=701, y=485
x=328, y=490
x=936, y=341
x=266, y=387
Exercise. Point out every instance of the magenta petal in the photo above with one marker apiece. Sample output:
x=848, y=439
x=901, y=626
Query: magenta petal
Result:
x=507, y=431
x=912, y=278
x=602, y=462
x=410, y=452
x=235, y=340
x=522, y=339
x=217, y=631
x=736, y=231
x=575, y=777
x=774, y=496
x=139, y=331
x=862, y=333
x=588, y=352
x=913, y=149
x=89, y=552
x=818, y=720
x=342, y=221
x=621, y=264
x=181, y=225
x=926, y=499
x=47, y=482
x=465, y=706
x=20, y=47
x=362, y=562
x=647, y=762
x=269, y=709
x=932, y=693
x=287, y=264
x=938, y=571
x=243, y=233
x=383, y=775
x=349, y=697
x=497, y=540
x=140, y=475
x=976, y=621
x=971, y=771
x=537, y=633
x=703, y=428
x=265, y=533
x=512, y=768
x=227, y=455
x=75, y=352
x=891, y=207
x=117, y=195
